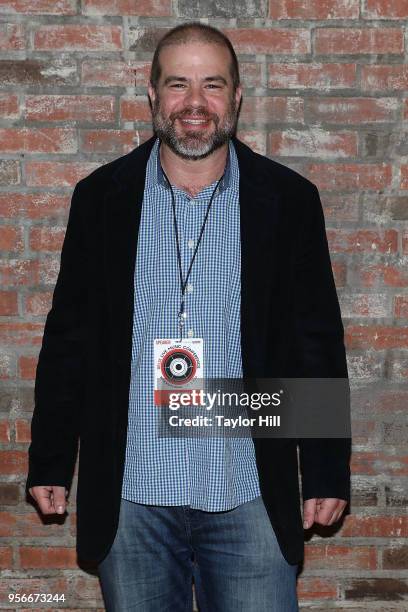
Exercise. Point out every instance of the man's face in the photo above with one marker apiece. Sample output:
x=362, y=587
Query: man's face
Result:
x=194, y=110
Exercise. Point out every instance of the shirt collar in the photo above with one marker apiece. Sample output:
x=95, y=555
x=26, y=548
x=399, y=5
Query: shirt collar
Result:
x=155, y=176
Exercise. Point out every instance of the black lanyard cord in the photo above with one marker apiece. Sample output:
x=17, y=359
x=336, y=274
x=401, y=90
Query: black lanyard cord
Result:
x=183, y=284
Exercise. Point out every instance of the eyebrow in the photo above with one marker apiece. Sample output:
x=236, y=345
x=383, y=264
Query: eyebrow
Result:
x=216, y=77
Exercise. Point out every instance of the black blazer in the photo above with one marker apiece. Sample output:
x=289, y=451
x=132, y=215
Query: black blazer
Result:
x=290, y=326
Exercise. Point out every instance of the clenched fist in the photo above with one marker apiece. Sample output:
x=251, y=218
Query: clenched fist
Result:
x=50, y=499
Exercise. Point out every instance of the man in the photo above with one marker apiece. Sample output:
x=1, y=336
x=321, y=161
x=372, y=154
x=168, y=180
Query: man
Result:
x=191, y=233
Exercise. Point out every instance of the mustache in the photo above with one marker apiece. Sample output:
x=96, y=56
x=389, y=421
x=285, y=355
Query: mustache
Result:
x=194, y=115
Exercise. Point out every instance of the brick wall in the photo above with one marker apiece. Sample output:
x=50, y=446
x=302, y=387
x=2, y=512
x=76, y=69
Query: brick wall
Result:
x=326, y=94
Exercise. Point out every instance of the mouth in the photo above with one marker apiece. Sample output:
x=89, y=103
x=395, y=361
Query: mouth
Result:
x=195, y=122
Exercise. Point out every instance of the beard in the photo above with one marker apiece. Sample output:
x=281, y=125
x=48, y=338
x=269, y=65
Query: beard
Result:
x=195, y=144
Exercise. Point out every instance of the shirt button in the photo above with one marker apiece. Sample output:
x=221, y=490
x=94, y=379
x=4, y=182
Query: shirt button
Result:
x=191, y=243
x=189, y=288
x=190, y=333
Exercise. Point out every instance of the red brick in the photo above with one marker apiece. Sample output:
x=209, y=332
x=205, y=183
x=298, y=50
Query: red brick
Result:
x=46, y=238
x=11, y=36
x=57, y=174
x=332, y=556
x=346, y=241
x=38, y=303
x=314, y=9
x=158, y=8
x=340, y=207
x=375, y=526
x=5, y=432
x=78, y=38
x=33, y=205
x=364, y=432
x=388, y=274
x=27, y=367
x=391, y=401
x=6, y=557
x=315, y=76
x=401, y=306
x=256, y=139
x=339, y=272
x=372, y=463
x=97, y=109
x=27, y=525
x=395, y=557
x=251, y=74
x=21, y=333
x=295, y=41
x=44, y=140
x=19, y=271
x=11, y=238
x=405, y=239
x=349, y=176
x=313, y=142
x=112, y=141
x=351, y=110
x=316, y=588
x=135, y=108
x=9, y=107
x=34, y=7
x=115, y=73
x=23, y=430
x=332, y=41
x=404, y=176
x=271, y=109
x=385, y=9
x=13, y=462
x=8, y=303
x=381, y=78
x=376, y=337
x=53, y=558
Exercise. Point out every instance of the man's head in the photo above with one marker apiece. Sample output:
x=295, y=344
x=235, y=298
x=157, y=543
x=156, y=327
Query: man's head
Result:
x=194, y=90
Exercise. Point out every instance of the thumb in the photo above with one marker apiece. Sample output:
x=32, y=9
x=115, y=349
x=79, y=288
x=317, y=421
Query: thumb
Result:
x=59, y=499
x=309, y=510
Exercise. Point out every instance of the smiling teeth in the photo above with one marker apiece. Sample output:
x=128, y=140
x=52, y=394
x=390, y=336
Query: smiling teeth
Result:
x=194, y=120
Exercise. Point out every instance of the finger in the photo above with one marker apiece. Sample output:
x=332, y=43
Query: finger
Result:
x=337, y=513
x=44, y=500
x=328, y=507
x=309, y=511
x=59, y=502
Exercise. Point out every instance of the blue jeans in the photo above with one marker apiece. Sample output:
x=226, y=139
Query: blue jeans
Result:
x=233, y=556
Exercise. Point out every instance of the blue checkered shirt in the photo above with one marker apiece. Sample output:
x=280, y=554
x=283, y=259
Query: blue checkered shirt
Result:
x=207, y=473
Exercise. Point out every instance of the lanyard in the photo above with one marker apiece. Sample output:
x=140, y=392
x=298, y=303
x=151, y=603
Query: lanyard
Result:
x=183, y=284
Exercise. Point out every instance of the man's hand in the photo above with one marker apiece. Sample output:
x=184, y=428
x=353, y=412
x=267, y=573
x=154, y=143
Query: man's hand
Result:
x=325, y=511
x=50, y=499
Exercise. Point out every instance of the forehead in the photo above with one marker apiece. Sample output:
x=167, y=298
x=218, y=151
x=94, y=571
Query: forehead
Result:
x=195, y=58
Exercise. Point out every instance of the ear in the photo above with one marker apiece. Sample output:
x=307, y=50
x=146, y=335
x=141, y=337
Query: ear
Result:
x=238, y=95
x=151, y=93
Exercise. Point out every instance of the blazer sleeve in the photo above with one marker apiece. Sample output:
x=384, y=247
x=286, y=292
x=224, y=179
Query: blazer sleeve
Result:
x=57, y=393
x=320, y=352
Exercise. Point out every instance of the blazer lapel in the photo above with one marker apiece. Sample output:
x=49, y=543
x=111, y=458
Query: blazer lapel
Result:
x=260, y=255
x=123, y=204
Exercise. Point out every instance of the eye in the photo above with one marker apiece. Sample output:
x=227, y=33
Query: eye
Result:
x=177, y=85
x=212, y=85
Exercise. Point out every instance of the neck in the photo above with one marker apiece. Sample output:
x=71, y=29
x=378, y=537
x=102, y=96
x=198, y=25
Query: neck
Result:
x=193, y=175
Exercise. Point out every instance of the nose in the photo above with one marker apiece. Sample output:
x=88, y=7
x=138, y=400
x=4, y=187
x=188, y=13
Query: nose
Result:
x=195, y=96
